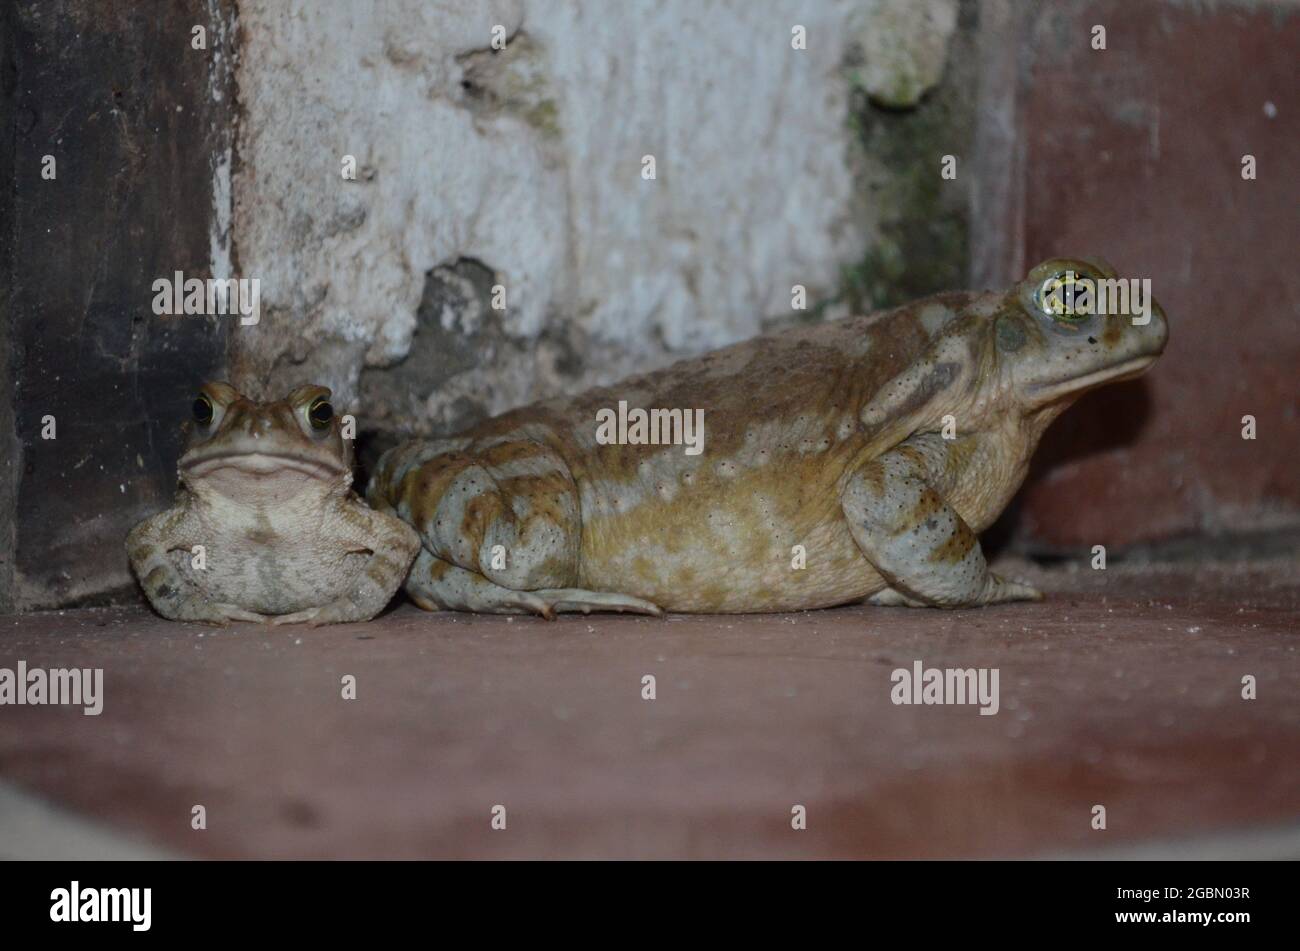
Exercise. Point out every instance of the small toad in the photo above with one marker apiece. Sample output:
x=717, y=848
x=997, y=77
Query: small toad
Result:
x=265, y=526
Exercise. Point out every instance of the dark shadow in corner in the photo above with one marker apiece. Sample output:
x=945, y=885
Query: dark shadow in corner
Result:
x=1107, y=418
x=370, y=445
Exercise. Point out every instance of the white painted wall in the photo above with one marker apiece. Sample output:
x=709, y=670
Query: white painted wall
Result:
x=754, y=165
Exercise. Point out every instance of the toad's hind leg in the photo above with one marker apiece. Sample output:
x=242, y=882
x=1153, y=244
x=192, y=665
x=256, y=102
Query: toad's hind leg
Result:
x=507, y=510
x=499, y=524
x=437, y=585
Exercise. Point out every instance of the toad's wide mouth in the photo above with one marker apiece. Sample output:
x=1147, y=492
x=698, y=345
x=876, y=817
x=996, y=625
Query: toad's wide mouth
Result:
x=261, y=464
x=1043, y=393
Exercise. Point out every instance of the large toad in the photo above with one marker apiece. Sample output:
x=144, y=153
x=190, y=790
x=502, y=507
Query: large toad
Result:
x=854, y=458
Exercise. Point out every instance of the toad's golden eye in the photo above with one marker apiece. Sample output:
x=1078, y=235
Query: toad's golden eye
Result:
x=321, y=413
x=1065, y=297
x=1071, y=317
x=202, y=409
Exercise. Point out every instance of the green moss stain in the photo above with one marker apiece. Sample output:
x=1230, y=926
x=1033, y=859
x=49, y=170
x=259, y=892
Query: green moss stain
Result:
x=512, y=81
x=919, y=221
x=544, y=116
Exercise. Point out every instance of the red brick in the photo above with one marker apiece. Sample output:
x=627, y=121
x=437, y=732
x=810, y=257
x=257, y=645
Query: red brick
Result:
x=1134, y=153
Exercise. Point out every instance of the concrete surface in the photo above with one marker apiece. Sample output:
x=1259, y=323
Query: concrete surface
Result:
x=1122, y=689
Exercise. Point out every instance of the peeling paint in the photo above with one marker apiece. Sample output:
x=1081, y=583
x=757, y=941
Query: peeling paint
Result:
x=529, y=160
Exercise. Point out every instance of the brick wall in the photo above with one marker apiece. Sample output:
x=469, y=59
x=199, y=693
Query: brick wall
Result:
x=1135, y=153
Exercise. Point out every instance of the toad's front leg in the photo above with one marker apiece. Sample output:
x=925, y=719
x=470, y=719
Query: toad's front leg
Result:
x=917, y=541
x=149, y=548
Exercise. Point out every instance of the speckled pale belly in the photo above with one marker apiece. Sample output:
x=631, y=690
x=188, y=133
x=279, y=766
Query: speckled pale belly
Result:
x=270, y=575
x=705, y=536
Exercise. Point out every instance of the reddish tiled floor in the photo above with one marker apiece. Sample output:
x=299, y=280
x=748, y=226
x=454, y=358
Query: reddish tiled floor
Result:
x=1123, y=689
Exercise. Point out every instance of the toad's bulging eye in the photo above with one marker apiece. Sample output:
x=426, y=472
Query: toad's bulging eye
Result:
x=320, y=413
x=202, y=409
x=1065, y=297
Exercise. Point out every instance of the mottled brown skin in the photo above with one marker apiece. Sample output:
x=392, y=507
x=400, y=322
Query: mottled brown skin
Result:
x=265, y=489
x=828, y=437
